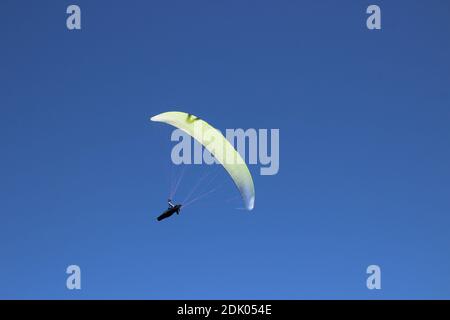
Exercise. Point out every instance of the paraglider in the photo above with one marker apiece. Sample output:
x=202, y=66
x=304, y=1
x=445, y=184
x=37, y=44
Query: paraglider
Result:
x=173, y=208
x=219, y=147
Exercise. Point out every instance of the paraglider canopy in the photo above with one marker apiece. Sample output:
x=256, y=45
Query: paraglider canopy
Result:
x=214, y=141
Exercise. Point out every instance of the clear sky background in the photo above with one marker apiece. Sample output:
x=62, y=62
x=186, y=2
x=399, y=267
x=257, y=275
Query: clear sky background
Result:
x=364, y=162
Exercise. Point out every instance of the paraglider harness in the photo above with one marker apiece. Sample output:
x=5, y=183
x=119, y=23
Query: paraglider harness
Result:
x=171, y=206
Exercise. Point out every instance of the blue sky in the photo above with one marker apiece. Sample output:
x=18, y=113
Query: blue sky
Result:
x=364, y=149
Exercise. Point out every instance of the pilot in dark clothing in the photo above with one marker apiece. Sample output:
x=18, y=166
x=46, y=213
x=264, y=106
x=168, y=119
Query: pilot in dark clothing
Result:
x=170, y=211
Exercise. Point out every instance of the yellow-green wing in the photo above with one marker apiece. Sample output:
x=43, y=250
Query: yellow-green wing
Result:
x=214, y=141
